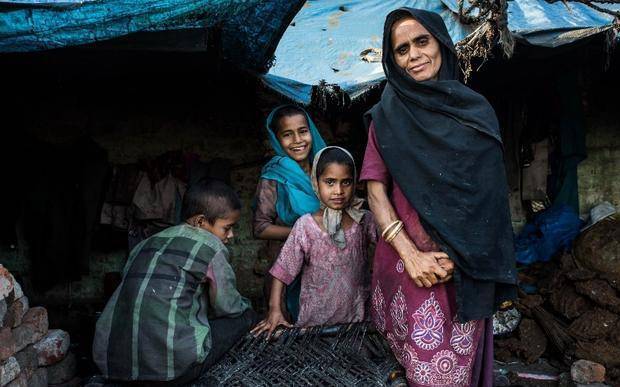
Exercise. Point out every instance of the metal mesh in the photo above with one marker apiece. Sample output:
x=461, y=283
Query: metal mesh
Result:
x=342, y=355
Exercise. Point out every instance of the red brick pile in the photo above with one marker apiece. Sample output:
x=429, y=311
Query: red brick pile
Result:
x=31, y=355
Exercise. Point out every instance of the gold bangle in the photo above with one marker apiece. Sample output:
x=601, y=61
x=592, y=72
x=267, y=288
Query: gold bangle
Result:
x=389, y=228
x=394, y=233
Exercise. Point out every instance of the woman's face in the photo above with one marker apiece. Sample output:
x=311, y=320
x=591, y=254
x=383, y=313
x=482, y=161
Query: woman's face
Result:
x=294, y=136
x=415, y=50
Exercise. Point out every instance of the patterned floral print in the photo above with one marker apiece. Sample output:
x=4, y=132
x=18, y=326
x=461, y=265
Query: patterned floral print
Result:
x=378, y=304
x=429, y=355
x=449, y=362
x=409, y=354
x=462, y=339
x=428, y=324
x=398, y=311
x=395, y=347
x=422, y=373
x=442, y=370
x=400, y=266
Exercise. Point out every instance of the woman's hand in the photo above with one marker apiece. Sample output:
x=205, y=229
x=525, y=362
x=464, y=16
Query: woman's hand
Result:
x=274, y=319
x=422, y=267
x=448, y=265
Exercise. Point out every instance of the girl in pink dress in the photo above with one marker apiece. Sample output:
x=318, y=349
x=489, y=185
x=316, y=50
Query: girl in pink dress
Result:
x=331, y=246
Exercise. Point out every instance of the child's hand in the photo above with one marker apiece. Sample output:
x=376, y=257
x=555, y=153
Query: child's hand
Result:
x=274, y=319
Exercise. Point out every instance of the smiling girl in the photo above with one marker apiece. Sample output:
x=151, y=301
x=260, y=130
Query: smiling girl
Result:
x=284, y=192
x=329, y=247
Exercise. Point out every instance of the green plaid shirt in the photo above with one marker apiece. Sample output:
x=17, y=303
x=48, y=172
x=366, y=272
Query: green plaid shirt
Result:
x=155, y=326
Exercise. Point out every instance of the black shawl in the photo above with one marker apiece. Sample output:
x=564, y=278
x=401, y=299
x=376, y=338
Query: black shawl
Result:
x=442, y=145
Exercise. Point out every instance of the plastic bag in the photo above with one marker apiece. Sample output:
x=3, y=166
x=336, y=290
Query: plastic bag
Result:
x=551, y=231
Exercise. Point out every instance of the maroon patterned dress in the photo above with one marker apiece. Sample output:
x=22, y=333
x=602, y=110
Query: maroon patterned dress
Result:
x=334, y=287
x=420, y=323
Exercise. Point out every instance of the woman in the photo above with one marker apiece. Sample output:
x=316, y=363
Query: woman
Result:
x=437, y=186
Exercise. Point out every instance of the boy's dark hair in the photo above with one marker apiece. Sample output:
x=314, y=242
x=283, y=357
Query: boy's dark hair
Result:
x=333, y=155
x=285, y=111
x=211, y=198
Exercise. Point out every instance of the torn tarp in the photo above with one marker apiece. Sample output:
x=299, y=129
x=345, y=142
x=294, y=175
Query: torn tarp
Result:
x=250, y=30
x=337, y=42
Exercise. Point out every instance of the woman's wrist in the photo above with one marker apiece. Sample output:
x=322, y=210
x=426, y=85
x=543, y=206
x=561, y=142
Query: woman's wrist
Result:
x=405, y=248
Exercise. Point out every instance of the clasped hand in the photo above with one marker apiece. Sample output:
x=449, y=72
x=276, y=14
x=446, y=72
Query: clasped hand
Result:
x=428, y=268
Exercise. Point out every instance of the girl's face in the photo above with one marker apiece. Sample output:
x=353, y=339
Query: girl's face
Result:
x=336, y=186
x=415, y=50
x=294, y=136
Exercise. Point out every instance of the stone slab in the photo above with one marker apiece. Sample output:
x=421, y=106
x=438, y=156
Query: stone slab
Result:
x=63, y=371
x=8, y=371
x=53, y=347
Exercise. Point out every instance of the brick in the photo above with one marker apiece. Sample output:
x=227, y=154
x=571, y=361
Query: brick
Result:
x=7, y=344
x=6, y=283
x=20, y=381
x=37, y=318
x=8, y=371
x=15, y=312
x=587, y=372
x=28, y=361
x=25, y=335
x=53, y=347
x=63, y=371
x=39, y=378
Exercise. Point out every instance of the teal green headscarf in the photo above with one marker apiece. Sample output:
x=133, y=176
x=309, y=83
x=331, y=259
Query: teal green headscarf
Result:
x=295, y=194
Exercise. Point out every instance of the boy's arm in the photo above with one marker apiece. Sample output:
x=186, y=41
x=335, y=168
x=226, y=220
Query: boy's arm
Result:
x=225, y=299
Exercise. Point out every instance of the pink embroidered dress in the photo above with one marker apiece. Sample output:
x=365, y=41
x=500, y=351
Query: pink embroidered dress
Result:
x=334, y=289
x=420, y=323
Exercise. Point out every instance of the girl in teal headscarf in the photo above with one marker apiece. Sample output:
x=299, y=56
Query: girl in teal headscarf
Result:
x=284, y=192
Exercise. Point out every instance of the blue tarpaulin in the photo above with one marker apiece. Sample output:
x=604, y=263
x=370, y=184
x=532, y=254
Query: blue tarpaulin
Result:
x=335, y=41
x=250, y=29
x=326, y=39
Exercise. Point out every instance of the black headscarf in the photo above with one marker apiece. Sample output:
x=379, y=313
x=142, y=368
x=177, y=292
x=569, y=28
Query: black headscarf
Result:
x=442, y=145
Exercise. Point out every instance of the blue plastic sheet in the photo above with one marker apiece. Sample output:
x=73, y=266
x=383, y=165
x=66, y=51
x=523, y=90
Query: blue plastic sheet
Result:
x=551, y=231
x=251, y=29
x=326, y=38
x=324, y=41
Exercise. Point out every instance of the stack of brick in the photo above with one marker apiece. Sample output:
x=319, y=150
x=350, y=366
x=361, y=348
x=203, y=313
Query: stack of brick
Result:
x=30, y=354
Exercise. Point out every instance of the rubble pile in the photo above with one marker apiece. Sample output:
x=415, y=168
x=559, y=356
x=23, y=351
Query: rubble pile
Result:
x=572, y=311
x=31, y=355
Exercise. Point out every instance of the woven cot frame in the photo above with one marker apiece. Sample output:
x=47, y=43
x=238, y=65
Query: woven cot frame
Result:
x=342, y=355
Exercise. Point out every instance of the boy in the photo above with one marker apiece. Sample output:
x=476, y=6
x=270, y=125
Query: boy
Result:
x=155, y=325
